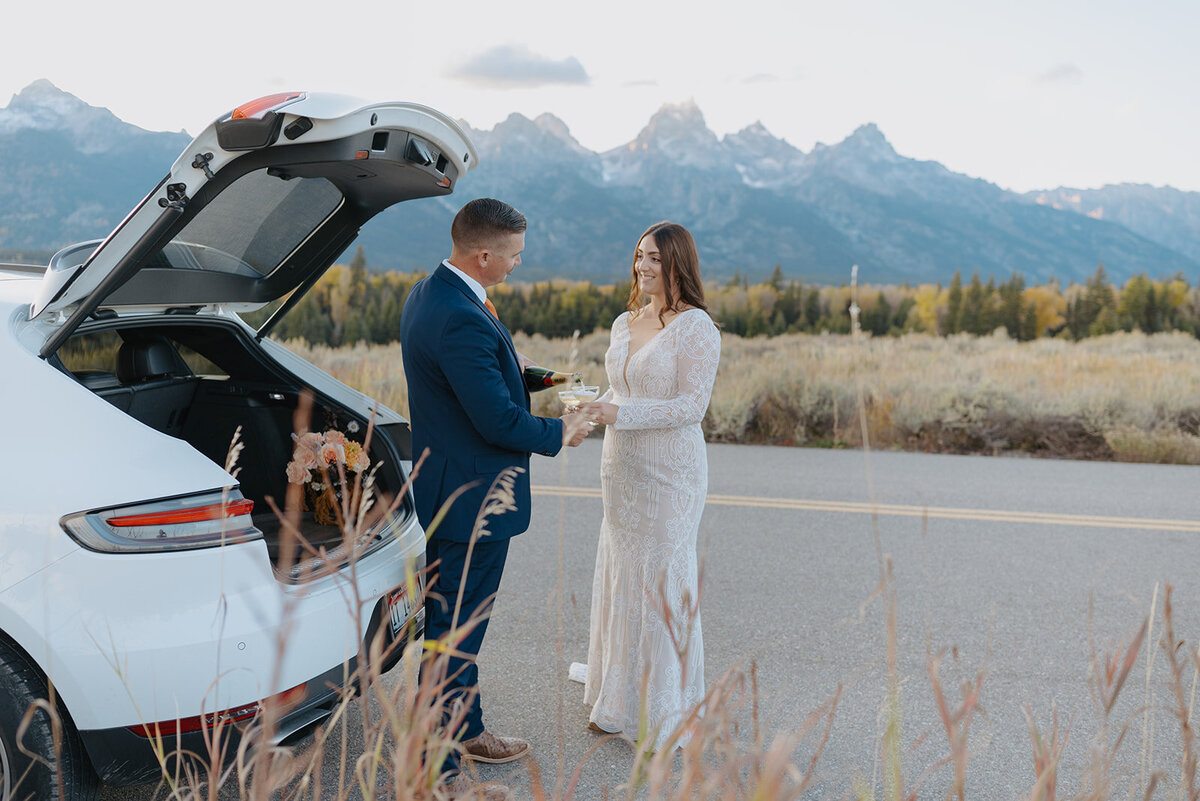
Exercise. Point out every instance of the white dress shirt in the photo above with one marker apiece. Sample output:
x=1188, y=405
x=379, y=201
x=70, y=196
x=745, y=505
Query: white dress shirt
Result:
x=475, y=286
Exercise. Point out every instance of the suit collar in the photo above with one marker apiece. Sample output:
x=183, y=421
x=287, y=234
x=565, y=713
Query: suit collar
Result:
x=453, y=279
x=472, y=284
x=450, y=277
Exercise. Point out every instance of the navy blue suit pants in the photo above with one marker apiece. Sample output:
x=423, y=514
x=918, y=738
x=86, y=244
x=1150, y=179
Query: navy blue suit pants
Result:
x=478, y=591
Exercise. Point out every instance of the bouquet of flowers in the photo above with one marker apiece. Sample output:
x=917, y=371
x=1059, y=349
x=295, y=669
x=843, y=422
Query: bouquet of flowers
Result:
x=319, y=463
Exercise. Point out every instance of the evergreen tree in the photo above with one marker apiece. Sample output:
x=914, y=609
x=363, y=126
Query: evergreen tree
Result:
x=1029, y=323
x=791, y=304
x=1009, y=313
x=812, y=310
x=776, y=279
x=971, y=314
x=1135, y=299
x=1097, y=296
x=900, y=317
x=989, y=312
x=1151, y=321
x=954, y=301
x=877, y=317
x=358, y=267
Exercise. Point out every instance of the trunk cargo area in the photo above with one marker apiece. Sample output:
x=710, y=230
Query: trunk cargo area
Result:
x=201, y=381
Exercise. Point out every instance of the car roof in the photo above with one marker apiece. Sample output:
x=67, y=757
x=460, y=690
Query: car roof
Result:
x=19, y=283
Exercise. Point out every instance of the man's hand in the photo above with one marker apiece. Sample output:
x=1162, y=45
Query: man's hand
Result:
x=524, y=361
x=575, y=429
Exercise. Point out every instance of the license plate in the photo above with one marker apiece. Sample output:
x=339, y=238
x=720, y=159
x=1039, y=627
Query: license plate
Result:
x=400, y=608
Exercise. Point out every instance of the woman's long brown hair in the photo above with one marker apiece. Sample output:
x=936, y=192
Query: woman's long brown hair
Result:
x=680, y=270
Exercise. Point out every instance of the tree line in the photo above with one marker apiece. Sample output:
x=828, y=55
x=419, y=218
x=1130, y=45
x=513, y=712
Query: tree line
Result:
x=351, y=304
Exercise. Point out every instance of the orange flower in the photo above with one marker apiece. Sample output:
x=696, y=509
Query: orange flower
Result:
x=356, y=457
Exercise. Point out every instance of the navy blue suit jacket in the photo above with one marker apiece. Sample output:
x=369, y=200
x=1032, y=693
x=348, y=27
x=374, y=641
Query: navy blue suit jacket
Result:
x=468, y=404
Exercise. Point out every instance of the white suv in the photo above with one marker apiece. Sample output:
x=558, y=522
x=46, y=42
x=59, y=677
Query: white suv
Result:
x=139, y=578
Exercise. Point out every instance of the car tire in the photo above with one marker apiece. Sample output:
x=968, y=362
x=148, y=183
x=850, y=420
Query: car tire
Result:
x=25, y=777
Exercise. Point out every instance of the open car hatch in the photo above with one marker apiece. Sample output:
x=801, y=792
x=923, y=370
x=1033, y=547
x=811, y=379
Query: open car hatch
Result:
x=258, y=205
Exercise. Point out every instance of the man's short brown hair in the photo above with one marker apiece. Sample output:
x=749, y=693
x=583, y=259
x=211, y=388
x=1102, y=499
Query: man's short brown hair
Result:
x=479, y=223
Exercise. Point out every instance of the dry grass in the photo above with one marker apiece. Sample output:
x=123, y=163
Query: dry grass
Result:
x=1129, y=397
x=726, y=755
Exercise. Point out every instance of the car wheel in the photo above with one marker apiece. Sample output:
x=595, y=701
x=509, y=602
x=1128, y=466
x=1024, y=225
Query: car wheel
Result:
x=40, y=776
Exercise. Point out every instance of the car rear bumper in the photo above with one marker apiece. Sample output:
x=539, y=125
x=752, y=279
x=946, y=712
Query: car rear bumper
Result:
x=121, y=756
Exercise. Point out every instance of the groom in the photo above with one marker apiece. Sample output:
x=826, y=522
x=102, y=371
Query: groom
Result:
x=469, y=406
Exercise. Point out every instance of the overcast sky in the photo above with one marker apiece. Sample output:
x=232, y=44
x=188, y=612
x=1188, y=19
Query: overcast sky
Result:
x=1029, y=94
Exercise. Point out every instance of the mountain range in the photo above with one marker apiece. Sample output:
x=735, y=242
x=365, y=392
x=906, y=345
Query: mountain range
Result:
x=70, y=171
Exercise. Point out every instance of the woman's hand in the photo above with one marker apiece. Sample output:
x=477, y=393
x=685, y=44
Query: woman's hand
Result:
x=601, y=412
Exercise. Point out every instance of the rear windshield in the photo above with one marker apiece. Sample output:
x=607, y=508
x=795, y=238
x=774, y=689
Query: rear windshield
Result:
x=98, y=353
x=251, y=227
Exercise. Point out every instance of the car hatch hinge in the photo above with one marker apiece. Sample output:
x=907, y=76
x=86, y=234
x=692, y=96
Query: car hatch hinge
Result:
x=201, y=163
x=176, y=197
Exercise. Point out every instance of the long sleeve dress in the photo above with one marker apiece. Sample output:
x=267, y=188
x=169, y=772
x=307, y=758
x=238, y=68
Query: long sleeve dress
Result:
x=645, y=623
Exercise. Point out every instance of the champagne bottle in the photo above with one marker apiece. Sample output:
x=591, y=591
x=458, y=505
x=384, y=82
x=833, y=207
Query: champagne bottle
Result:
x=539, y=378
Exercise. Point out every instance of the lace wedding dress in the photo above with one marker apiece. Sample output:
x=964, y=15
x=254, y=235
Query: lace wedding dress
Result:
x=645, y=638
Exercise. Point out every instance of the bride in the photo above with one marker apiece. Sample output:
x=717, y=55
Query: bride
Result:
x=645, y=643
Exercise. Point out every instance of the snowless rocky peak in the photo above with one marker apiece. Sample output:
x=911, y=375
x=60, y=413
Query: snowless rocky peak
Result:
x=756, y=140
x=868, y=144
x=42, y=106
x=518, y=131
x=755, y=130
x=517, y=125
x=555, y=127
x=678, y=131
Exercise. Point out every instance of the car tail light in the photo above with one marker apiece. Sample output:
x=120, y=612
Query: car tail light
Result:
x=255, y=109
x=203, y=520
x=166, y=728
x=190, y=514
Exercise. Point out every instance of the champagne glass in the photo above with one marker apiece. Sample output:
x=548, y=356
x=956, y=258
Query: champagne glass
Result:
x=567, y=396
x=585, y=394
x=576, y=395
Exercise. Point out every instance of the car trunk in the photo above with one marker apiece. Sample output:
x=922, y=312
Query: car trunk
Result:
x=201, y=381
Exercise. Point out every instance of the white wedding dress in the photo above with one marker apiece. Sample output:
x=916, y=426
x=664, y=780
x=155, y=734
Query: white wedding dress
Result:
x=645, y=624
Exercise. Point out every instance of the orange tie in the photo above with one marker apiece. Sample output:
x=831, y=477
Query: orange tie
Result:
x=491, y=307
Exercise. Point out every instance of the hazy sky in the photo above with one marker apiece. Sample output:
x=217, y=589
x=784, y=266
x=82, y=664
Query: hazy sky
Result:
x=1027, y=94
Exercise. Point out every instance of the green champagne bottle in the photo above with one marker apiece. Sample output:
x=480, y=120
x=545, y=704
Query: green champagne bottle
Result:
x=539, y=378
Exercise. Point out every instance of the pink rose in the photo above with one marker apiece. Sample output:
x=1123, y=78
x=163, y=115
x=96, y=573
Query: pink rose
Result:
x=297, y=473
x=309, y=441
x=306, y=457
x=335, y=437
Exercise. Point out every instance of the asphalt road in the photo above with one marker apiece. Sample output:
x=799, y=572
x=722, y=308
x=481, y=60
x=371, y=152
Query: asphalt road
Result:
x=996, y=561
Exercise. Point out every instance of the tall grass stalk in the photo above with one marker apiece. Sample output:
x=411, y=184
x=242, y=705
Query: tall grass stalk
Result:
x=1172, y=648
x=1147, y=723
x=1047, y=754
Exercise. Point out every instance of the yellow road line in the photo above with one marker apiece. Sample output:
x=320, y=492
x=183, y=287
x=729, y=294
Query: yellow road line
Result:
x=898, y=510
